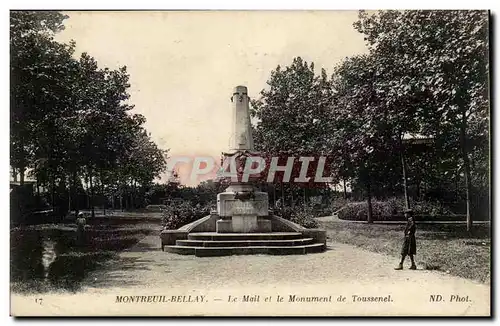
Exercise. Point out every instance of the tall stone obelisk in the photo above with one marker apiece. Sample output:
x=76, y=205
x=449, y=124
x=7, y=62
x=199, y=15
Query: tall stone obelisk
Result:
x=241, y=207
x=241, y=136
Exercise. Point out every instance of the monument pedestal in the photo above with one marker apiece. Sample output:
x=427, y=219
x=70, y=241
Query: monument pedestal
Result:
x=224, y=226
x=243, y=224
x=242, y=210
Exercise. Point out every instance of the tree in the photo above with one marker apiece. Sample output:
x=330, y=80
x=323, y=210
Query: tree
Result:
x=441, y=59
x=366, y=129
x=39, y=82
x=293, y=114
x=70, y=119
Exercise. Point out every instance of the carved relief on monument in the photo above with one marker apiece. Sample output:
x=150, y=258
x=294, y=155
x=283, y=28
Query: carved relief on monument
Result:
x=239, y=207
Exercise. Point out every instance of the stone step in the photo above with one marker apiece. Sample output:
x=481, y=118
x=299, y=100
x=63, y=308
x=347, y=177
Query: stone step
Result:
x=244, y=243
x=212, y=236
x=251, y=250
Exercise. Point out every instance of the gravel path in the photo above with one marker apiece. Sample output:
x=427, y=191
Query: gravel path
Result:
x=341, y=270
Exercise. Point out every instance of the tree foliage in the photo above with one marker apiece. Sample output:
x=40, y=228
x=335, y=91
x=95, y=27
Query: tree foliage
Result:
x=426, y=73
x=70, y=119
x=433, y=68
x=292, y=113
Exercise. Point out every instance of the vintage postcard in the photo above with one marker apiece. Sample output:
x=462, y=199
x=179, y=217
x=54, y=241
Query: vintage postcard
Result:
x=250, y=163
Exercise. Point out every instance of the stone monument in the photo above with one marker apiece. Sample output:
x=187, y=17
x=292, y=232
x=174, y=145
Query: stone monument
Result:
x=242, y=224
x=241, y=207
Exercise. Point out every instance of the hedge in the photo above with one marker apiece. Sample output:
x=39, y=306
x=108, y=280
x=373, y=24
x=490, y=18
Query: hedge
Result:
x=178, y=214
x=393, y=210
x=300, y=215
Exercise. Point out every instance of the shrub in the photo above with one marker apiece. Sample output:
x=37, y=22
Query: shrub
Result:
x=338, y=203
x=301, y=215
x=391, y=209
x=304, y=218
x=178, y=214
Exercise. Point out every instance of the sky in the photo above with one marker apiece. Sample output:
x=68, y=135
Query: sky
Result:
x=183, y=65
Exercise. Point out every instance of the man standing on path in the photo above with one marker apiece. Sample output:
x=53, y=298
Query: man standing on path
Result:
x=410, y=244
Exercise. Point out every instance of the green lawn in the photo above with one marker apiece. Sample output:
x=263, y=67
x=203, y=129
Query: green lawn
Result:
x=447, y=248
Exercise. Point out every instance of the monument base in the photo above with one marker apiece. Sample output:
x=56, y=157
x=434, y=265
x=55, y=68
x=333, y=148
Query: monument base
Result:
x=241, y=210
x=224, y=226
x=244, y=224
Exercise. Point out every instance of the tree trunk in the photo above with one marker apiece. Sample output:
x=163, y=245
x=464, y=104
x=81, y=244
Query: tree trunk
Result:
x=468, y=186
x=87, y=194
x=126, y=199
x=53, y=192
x=345, y=189
x=370, y=210
x=274, y=195
x=21, y=175
x=133, y=184
x=22, y=161
x=53, y=197
x=104, y=198
x=14, y=174
x=282, y=195
x=91, y=199
x=69, y=194
x=121, y=200
x=75, y=193
x=403, y=166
